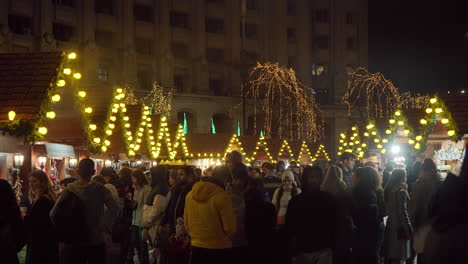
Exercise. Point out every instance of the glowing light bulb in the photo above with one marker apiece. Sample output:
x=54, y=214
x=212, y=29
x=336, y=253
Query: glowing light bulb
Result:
x=388, y=131
x=417, y=146
x=429, y=110
x=88, y=110
x=111, y=126
x=56, y=98
x=384, y=140
x=391, y=121
x=50, y=114
x=42, y=130
x=379, y=146
x=398, y=113
x=406, y=131
x=400, y=123
x=438, y=110
x=376, y=140
x=451, y=133
x=383, y=151
x=370, y=126
x=127, y=125
x=113, y=118
x=104, y=148
x=97, y=140
x=353, y=128
x=82, y=94
x=423, y=121
x=433, y=100
x=119, y=90
x=77, y=75
x=67, y=71
x=374, y=133
x=444, y=121
x=11, y=115
x=410, y=141
x=126, y=118
x=92, y=127
x=72, y=56
x=418, y=138
x=109, y=132
x=107, y=142
x=61, y=83
x=366, y=134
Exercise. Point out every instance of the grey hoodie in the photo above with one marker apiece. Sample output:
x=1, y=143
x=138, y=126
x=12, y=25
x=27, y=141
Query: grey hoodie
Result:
x=94, y=196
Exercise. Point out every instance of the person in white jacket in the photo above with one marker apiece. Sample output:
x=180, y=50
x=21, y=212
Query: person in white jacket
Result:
x=283, y=194
x=157, y=200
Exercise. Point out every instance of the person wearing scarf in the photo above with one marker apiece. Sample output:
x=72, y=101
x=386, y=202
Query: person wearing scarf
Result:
x=157, y=201
x=283, y=194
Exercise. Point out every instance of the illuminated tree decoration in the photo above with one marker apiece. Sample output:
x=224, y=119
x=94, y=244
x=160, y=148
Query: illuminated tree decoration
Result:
x=238, y=129
x=185, y=127
x=288, y=106
x=159, y=100
x=213, y=128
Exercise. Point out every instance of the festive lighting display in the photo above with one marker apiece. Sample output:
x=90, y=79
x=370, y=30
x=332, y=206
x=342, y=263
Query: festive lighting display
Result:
x=284, y=101
x=11, y=115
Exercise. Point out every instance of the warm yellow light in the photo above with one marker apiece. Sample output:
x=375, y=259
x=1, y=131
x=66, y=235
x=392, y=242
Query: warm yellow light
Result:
x=355, y=135
x=113, y=118
x=115, y=105
x=398, y=113
x=342, y=135
x=374, y=133
x=130, y=138
x=126, y=118
x=97, y=140
x=359, y=149
x=433, y=100
x=82, y=94
x=92, y=127
x=104, y=148
x=429, y=110
x=111, y=126
x=56, y=98
x=163, y=119
x=410, y=141
x=119, y=90
x=339, y=153
x=72, y=56
x=77, y=75
x=384, y=140
x=383, y=151
x=11, y=115
x=353, y=128
x=107, y=142
x=400, y=123
x=127, y=125
x=417, y=146
x=376, y=140
x=379, y=146
x=423, y=121
x=109, y=132
x=388, y=131
x=445, y=121
x=115, y=110
x=340, y=148
x=67, y=71
x=418, y=138
x=370, y=126
x=122, y=105
x=341, y=141
x=61, y=83
x=88, y=110
x=366, y=134
x=124, y=110
x=391, y=121
x=352, y=138
x=42, y=130
x=406, y=131
x=438, y=110
x=451, y=133
x=50, y=114
x=351, y=143
x=357, y=142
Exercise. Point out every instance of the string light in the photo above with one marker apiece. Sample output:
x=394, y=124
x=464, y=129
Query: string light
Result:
x=11, y=115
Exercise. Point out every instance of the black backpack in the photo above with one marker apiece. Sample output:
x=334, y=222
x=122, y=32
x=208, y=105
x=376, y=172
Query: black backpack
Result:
x=69, y=219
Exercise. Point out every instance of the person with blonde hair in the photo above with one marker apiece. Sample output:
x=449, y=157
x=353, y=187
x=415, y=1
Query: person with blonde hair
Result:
x=42, y=244
x=335, y=185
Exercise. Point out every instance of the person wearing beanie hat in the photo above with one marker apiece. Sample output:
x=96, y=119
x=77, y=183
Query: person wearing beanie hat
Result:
x=283, y=194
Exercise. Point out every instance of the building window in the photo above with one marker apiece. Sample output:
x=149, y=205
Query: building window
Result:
x=104, y=7
x=250, y=31
x=249, y=58
x=69, y=3
x=319, y=69
x=322, y=42
x=143, y=13
x=349, y=18
x=215, y=55
x=62, y=32
x=20, y=24
x=291, y=7
x=102, y=74
x=291, y=35
x=217, y=87
x=321, y=16
x=179, y=83
x=292, y=62
x=350, y=43
x=179, y=19
x=180, y=50
x=251, y=4
x=144, y=46
x=104, y=39
x=222, y=123
x=144, y=80
x=214, y=25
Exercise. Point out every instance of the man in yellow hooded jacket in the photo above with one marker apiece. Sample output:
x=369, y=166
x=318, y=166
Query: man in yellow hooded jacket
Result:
x=209, y=218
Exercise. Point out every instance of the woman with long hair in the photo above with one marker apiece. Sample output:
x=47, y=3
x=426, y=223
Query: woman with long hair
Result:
x=140, y=195
x=398, y=230
x=42, y=244
x=335, y=185
x=424, y=188
x=283, y=194
x=366, y=213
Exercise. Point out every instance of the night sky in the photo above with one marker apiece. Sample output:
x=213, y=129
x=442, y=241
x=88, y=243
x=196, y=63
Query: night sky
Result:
x=422, y=46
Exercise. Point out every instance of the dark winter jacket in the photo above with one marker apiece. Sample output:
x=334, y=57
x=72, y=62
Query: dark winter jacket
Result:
x=175, y=208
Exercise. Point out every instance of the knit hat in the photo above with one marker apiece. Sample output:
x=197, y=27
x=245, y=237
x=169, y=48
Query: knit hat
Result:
x=288, y=174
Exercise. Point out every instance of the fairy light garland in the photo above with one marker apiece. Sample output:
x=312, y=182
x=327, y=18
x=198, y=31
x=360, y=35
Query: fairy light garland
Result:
x=285, y=145
x=235, y=140
x=321, y=150
x=262, y=143
x=304, y=150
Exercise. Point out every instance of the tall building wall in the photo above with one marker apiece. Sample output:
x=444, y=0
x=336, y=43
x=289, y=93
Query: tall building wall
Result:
x=196, y=47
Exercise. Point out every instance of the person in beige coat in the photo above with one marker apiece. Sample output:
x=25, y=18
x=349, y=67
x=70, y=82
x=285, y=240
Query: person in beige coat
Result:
x=156, y=203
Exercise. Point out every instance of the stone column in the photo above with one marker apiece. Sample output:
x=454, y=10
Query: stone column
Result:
x=199, y=66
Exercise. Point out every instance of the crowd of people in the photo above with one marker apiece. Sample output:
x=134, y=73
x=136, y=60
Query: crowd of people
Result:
x=344, y=213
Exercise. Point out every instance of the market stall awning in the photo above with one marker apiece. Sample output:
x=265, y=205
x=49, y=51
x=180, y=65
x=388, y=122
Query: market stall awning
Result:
x=207, y=143
x=53, y=150
x=25, y=79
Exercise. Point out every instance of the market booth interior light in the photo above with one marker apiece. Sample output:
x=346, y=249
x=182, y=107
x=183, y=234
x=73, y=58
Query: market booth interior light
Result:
x=18, y=160
x=395, y=149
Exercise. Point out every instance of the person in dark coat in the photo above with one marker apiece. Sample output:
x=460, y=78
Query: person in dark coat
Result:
x=42, y=243
x=12, y=236
x=311, y=221
x=260, y=223
x=366, y=216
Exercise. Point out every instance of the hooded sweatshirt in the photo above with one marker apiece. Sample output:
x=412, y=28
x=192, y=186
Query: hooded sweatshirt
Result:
x=209, y=216
x=94, y=197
